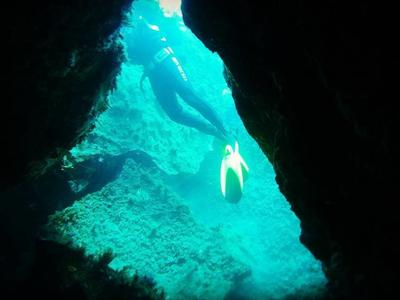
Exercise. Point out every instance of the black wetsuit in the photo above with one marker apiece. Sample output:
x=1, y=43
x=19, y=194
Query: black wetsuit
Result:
x=168, y=80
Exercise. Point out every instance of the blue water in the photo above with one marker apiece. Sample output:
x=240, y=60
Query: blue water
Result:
x=174, y=224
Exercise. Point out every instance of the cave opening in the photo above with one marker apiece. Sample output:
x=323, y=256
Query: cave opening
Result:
x=149, y=189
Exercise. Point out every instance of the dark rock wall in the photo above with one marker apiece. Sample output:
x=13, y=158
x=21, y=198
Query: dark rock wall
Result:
x=315, y=84
x=60, y=59
x=64, y=272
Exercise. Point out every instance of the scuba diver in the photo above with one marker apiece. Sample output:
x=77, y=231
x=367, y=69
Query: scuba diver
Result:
x=168, y=79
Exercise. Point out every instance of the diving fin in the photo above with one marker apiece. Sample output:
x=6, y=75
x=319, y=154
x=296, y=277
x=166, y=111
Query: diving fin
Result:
x=233, y=173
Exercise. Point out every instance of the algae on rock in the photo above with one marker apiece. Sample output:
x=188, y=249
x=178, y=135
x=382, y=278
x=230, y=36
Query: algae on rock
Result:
x=150, y=229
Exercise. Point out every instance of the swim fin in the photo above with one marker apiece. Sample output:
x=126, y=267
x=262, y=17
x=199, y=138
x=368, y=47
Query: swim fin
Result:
x=233, y=173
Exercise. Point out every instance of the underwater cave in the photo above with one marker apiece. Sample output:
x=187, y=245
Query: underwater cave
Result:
x=199, y=150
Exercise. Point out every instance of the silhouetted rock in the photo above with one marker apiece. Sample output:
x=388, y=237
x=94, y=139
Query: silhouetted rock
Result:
x=314, y=84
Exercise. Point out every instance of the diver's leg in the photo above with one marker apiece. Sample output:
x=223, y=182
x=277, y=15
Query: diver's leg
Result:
x=168, y=100
x=180, y=83
x=190, y=97
x=187, y=119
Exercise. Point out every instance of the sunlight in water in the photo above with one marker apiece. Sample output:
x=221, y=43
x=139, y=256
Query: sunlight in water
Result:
x=171, y=7
x=164, y=213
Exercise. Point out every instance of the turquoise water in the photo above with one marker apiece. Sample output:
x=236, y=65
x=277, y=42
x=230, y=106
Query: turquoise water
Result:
x=170, y=221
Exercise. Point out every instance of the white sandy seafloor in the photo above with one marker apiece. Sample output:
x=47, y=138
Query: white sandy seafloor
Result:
x=177, y=228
